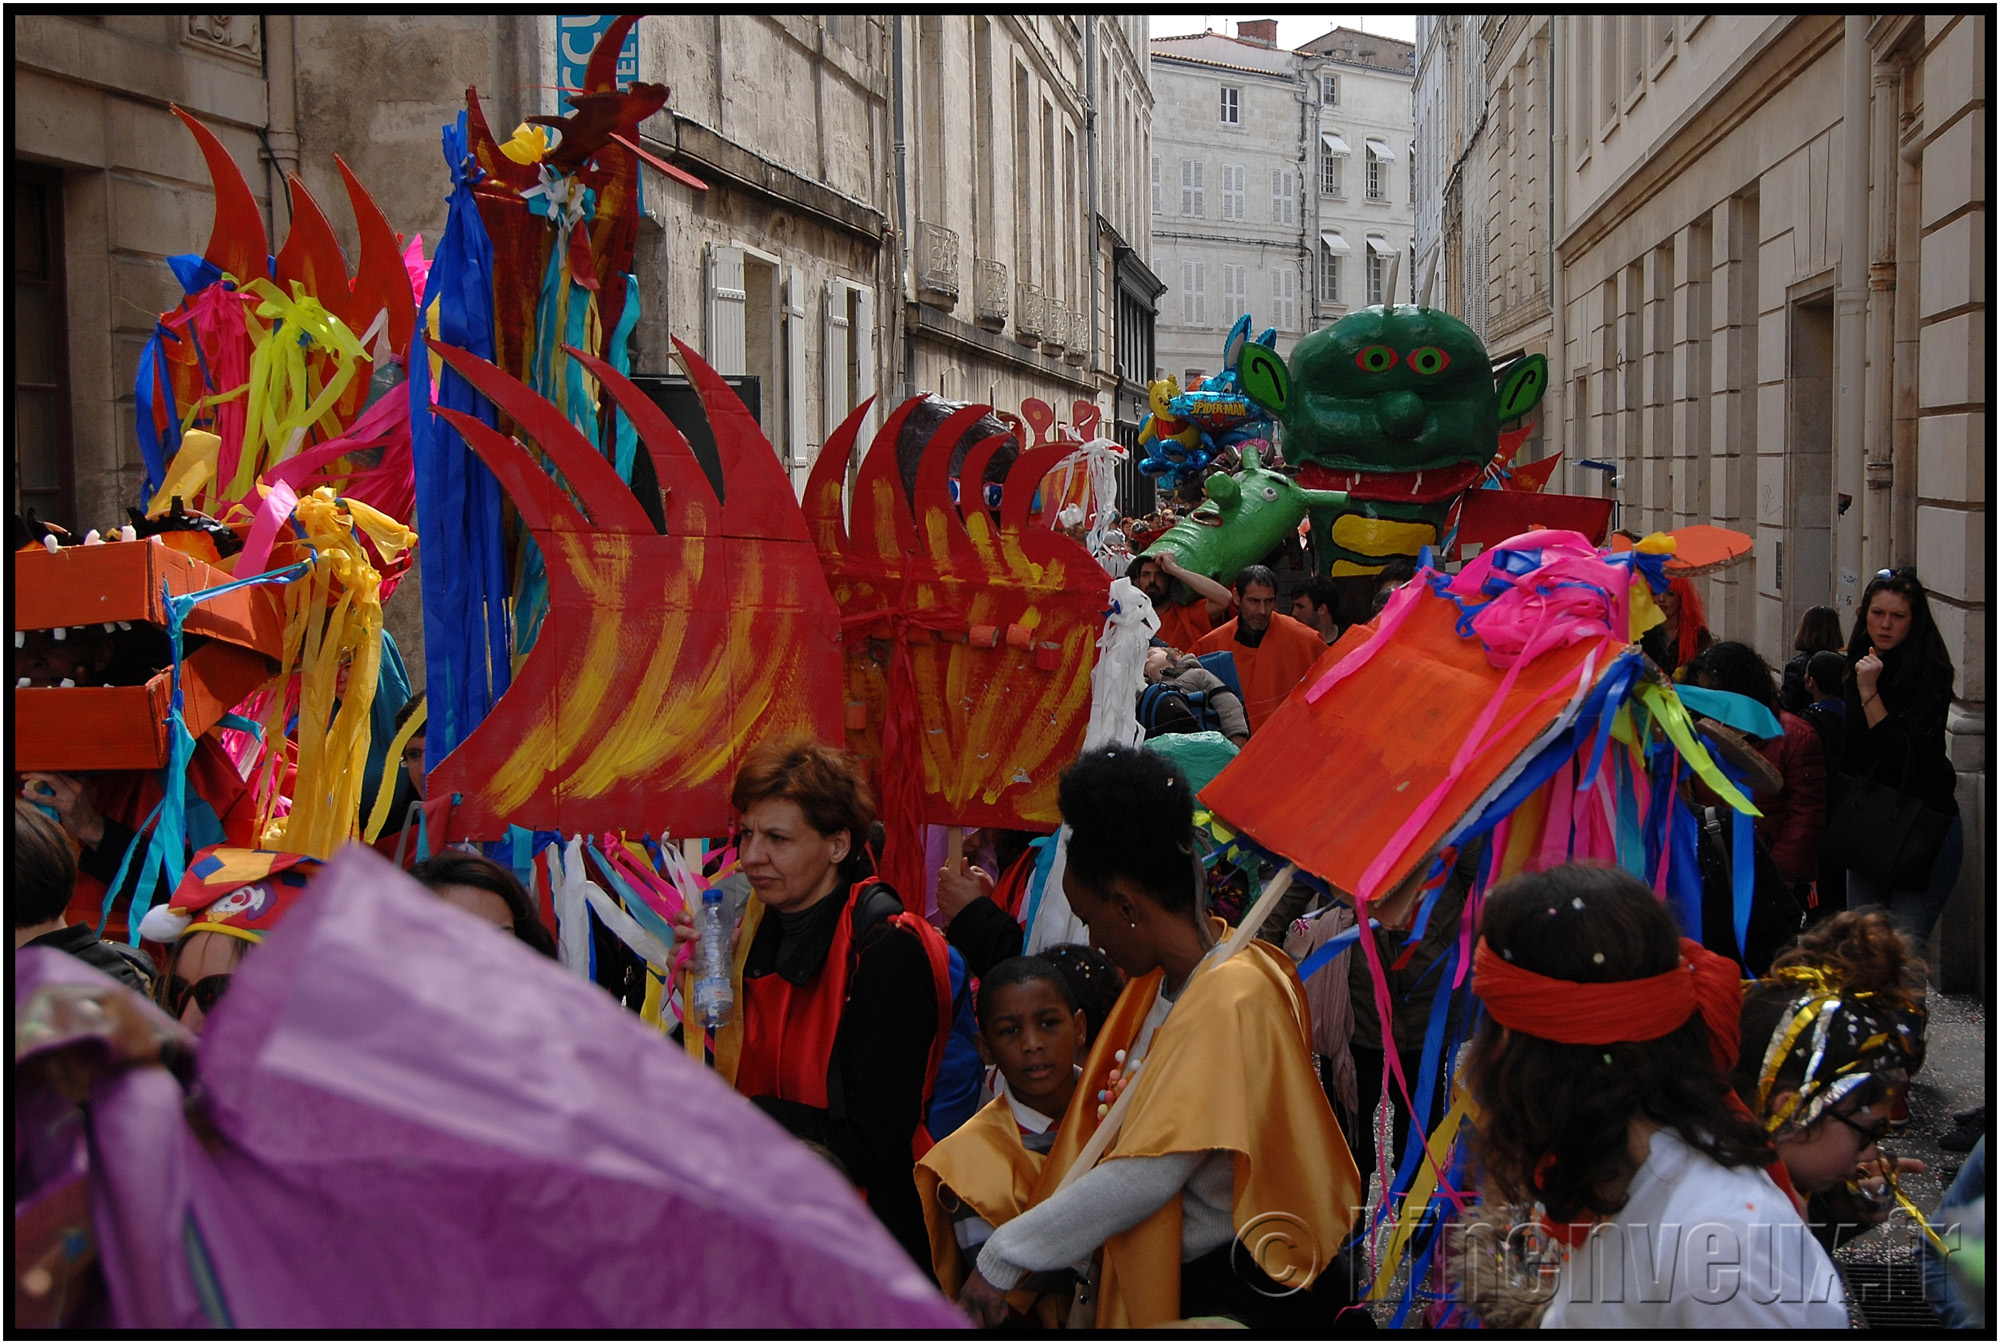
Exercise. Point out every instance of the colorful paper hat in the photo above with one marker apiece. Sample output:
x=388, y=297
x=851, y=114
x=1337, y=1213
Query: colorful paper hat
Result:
x=239, y=892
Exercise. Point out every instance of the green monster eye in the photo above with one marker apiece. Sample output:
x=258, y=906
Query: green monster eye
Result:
x=1376, y=359
x=1429, y=360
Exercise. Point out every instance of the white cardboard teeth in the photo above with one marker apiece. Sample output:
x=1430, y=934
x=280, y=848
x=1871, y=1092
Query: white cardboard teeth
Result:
x=110, y=628
x=66, y=682
x=91, y=538
x=124, y=625
x=20, y=639
x=50, y=544
x=62, y=632
x=22, y=682
x=128, y=533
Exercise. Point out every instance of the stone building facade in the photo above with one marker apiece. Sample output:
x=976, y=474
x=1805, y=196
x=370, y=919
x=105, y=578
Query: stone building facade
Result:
x=895, y=203
x=1281, y=185
x=1021, y=143
x=1229, y=182
x=1765, y=308
x=1364, y=157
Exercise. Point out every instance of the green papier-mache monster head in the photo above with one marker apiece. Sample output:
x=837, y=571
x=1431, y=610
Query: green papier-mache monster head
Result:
x=1390, y=389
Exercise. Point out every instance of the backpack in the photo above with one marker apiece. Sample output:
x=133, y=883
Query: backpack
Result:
x=955, y=1034
x=1164, y=708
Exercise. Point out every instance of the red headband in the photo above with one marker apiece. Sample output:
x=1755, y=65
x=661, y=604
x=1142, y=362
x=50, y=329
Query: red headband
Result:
x=1570, y=1012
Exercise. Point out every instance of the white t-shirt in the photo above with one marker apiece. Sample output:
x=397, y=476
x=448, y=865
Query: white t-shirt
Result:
x=1699, y=1246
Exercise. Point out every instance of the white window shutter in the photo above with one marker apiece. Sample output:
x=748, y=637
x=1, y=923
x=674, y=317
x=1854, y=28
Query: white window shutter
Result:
x=798, y=450
x=861, y=341
x=834, y=381
x=726, y=299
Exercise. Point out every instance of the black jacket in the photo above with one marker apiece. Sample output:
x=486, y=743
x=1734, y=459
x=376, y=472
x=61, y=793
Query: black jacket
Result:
x=1912, y=736
x=127, y=965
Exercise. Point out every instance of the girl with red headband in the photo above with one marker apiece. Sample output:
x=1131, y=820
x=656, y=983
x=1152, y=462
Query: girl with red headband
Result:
x=1602, y=1076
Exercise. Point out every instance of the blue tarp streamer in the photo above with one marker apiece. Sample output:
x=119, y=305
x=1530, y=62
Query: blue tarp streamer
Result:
x=462, y=561
x=166, y=854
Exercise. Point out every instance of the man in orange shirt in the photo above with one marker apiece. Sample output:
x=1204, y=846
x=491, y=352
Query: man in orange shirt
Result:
x=1273, y=652
x=1180, y=626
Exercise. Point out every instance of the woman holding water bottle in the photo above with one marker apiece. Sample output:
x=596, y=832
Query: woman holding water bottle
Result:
x=835, y=1000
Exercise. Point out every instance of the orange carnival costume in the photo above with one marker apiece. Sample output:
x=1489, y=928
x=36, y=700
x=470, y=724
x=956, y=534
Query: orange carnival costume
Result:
x=1185, y=625
x=1268, y=672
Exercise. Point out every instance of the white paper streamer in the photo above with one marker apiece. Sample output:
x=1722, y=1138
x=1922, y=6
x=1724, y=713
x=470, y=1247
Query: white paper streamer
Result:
x=1121, y=669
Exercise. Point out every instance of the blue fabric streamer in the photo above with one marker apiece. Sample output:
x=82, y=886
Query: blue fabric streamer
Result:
x=1331, y=948
x=194, y=271
x=462, y=561
x=625, y=437
x=146, y=391
x=1045, y=859
x=1736, y=711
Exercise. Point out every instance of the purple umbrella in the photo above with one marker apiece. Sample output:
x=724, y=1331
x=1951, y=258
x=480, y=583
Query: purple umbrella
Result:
x=421, y=1124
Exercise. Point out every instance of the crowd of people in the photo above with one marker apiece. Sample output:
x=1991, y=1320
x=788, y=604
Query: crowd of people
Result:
x=1092, y=1133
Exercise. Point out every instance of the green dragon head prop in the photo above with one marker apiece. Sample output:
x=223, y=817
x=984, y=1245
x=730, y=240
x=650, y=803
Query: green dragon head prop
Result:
x=1394, y=389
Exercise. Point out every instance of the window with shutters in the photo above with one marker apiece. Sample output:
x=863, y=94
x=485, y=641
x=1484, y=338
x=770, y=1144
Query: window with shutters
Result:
x=1232, y=106
x=1193, y=193
x=1194, y=297
x=1377, y=276
x=1329, y=90
x=1235, y=290
x=1329, y=171
x=1285, y=298
x=1159, y=205
x=1284, y=197
x=1413, y=172
x=1232, y=190
x=1329, y=275
x=1378, y=178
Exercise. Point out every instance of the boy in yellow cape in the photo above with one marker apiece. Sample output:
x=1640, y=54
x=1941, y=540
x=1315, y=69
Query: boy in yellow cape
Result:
x=983, y=1173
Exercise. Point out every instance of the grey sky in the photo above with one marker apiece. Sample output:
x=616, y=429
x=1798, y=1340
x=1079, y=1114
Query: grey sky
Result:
x=1294, y=30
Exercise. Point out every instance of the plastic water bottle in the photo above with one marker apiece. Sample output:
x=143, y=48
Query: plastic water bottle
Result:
x=714, y=997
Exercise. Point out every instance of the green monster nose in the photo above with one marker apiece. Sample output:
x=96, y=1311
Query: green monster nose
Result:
x=1400, y=414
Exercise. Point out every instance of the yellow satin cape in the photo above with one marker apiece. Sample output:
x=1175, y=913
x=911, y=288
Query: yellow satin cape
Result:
x=983, y=1165
x=1231, y=1067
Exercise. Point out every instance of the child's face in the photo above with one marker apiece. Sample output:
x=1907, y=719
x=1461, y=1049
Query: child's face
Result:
x=1033, y=1037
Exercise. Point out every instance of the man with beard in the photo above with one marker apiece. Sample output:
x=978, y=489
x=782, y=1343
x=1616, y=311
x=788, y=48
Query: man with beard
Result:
x=1273, y=652
x=1181, y=625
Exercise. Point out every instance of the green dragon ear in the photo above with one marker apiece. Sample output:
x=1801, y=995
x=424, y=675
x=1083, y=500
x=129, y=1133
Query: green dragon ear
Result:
x=1522, y=387
x=1264, y=378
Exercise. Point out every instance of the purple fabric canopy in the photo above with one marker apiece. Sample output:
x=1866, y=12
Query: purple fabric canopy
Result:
x=424, y=1125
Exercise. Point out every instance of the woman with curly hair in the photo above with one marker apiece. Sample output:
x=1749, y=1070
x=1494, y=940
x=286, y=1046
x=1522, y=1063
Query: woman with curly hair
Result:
x=1830, y=1037
x=1601, y=1075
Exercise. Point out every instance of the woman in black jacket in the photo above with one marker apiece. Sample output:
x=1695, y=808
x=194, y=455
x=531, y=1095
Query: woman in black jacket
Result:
x=1898, y=699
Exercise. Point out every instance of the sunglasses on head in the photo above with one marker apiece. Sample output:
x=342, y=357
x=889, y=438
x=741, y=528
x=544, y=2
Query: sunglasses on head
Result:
x=206, y=993
x=1904, y=573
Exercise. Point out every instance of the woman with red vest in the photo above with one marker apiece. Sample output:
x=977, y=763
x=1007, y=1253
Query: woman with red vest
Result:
x=838, y=1024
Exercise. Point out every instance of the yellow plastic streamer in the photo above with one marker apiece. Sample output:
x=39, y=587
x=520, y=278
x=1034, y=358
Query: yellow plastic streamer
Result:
x=1419, y=1197
x=287, y=397
x=332, y=619
x=1672, y=716
x=392, y=764
x=190, y=470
